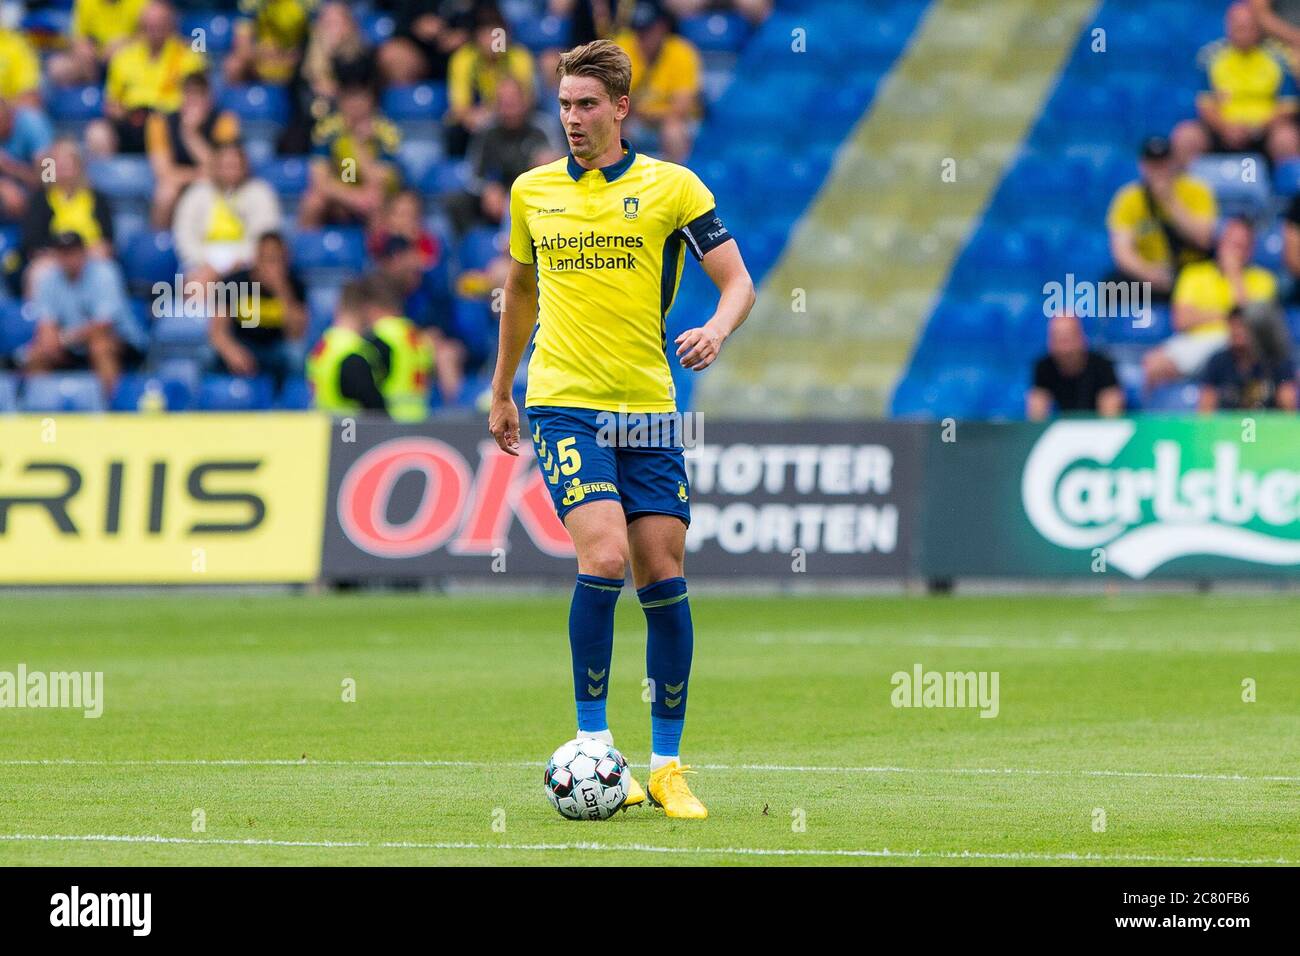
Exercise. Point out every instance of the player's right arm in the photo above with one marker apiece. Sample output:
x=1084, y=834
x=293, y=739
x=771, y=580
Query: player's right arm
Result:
x=518, y=316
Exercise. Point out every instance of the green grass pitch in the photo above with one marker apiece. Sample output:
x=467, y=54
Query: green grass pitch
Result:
x=1122, y=735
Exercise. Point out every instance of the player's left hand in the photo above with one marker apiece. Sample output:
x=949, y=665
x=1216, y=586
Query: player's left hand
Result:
x=698, y=348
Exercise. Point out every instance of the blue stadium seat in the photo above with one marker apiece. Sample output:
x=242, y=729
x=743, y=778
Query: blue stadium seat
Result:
x=180, y=332
x=62, y=392
x=541, y=33
x=377, y=27
x=136, y=392
x=150, y=257
x=417, y=157
x=1286, y=178
x=1238, y=194
x=287, y=176
x=17, y=327
x=74, y=105
x=1179, y=397
x=122, y=177
x=478, y=248
x=8, y=392
x=334, y=254
x=218, y=30
x=262, y=109
x=448, y=176
x=224, y=393
x=295, y=395
x=420, y=102
x=726, y=32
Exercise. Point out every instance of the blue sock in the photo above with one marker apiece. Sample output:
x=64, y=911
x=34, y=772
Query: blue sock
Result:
x=591, y=641
x=670, y=641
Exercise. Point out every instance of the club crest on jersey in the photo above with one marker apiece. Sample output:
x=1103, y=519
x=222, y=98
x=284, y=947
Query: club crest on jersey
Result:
x=630, y=206
x=681, y=491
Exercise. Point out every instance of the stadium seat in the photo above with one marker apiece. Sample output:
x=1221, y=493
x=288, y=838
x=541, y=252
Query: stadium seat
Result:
x=17, y=326
x=479, y=247
x=262, y=109
x=150, y=258
x=541, y=33
x=448, y=176
x=417, y=157
x=224, y=393
x=217, y=30
x=72, y=107
x=1239, y=194
x=8, y=392
x=330, y=255
x=122, y=177
x=422, y=102
x=295, y=395
x=716, y=31
x=62, y=392
x=377, y=27
x=287, y=176
x=136, y=392
x=180, y=332
x=1179, y=397
x=1286, y=178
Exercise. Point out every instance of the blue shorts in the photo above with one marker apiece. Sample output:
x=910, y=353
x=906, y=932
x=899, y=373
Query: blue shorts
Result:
x=633, y=458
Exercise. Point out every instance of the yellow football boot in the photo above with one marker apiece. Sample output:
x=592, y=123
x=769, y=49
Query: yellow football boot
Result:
x=668, y=789
x=635, y=795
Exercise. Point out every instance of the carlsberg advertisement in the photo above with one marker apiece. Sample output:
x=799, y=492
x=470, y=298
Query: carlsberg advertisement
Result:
x=1136, y=498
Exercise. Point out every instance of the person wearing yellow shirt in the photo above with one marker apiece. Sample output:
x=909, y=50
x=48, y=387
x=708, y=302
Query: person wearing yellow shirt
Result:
x=1243, y=108
x=269, y=40
x=99, y=29
x=1160, y=222
x=144, y=76
x=666, y=78
x=354, y=162
x=20, y=70
x=1206, y=292
x=473, y=73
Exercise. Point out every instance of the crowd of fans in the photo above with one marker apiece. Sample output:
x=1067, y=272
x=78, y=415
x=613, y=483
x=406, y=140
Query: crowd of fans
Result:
x=1228, y=334
x=160, y=93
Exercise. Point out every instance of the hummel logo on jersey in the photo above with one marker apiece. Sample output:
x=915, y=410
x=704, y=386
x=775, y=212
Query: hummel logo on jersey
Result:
x=550, y=212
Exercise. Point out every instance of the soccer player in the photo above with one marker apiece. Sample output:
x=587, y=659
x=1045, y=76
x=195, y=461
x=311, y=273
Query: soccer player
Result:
x=596, y=246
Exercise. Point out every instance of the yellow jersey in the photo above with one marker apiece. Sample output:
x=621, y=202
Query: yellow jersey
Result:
x=676, y=70
x=608, y=245
x=139, y=80
x=1131, y=211
x=106, y=21
x=20, y=70
x=1204, y=286
x=1249, y=82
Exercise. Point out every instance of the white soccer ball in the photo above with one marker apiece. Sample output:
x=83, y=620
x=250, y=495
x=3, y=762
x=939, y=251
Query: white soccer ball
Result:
x=586, y=779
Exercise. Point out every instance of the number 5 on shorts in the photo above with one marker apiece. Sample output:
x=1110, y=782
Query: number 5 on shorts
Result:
x=570, y=460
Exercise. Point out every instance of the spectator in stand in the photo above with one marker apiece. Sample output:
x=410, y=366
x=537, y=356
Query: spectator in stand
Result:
x=353, y=165
x=1160, y=222
x=513, y=143
x=337, y=54
x=426, y=301
x=20, y=70
x=83, y=317
x=144, y=76
x=1072, y=378
x=260, y=339
x=1206, y=292
x=588, y=20
x=99, y=29
x=268, y=41
x=345, y=369
x=425, y=35
x=24, y=135
x=180, y=144
x=68, y=204
x=1241, y=109
x=220, y=218
x=1241, y=377
x=474, y=73
x=666, y=80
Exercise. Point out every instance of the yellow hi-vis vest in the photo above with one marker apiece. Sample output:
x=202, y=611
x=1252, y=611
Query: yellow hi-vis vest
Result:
x=406, y=387
x=325, y=365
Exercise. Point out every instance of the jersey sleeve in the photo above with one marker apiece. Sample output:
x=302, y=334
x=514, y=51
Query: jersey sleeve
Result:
x=697, y=217
x=521, y=240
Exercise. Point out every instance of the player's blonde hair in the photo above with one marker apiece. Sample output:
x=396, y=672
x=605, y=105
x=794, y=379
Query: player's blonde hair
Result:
x=604, y=60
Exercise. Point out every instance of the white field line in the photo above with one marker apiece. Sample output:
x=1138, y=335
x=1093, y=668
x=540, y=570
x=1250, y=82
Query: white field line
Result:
x=645, y=848
x=1062, y=642
x=756, y=767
